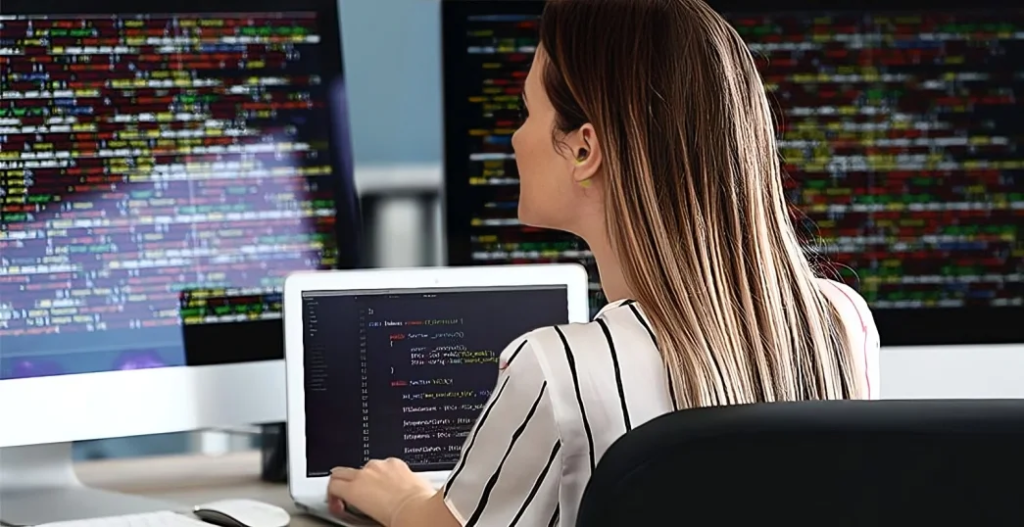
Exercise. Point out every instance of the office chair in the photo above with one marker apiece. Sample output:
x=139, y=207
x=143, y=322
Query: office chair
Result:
x=820, y=464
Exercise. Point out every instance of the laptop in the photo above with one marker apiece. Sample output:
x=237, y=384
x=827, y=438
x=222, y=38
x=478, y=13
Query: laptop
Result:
x=400, y=362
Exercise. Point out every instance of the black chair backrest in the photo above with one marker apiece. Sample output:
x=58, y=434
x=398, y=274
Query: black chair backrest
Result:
x=820, y=464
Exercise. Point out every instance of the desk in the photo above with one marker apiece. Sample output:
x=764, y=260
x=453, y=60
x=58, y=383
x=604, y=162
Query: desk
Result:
x=192, y=479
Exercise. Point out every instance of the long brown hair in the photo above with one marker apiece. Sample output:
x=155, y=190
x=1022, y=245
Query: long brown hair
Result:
x=695, y=203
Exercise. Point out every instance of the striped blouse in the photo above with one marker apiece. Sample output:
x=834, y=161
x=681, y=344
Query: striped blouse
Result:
x=564, y=395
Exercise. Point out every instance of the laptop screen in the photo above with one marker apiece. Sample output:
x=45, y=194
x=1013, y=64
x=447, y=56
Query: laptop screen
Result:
x=406, y=373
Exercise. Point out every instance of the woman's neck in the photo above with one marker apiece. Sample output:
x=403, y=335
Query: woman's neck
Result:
x=613, y=281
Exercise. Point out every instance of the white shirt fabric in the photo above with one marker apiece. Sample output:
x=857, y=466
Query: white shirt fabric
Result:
x=564, y=395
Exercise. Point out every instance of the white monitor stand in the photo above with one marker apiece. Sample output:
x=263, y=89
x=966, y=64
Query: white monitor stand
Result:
x=38, y=485
x=953, y=372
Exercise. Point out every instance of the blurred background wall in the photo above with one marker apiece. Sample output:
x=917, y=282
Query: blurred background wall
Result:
x=393, y=58
x=392, y=65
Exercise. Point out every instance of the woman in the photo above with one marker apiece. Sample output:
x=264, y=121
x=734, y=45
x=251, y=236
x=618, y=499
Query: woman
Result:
x=648, y=135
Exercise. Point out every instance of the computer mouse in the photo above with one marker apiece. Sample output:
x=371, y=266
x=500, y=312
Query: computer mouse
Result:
x=242, y=513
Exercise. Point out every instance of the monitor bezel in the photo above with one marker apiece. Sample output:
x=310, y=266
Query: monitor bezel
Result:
x=898, y=327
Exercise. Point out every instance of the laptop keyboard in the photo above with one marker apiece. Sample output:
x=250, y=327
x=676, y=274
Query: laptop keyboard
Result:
x=354, y=515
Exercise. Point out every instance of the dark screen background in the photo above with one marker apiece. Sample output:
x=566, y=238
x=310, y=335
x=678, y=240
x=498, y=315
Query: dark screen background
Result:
x=127, y=291
x=899, y=129
x=405, y=374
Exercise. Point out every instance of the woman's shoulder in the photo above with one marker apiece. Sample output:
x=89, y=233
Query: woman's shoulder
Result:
x=850, y=304
x=860, y=329
x=574, y=348
x=613, y=321
x=832, y=286
x=557, y=338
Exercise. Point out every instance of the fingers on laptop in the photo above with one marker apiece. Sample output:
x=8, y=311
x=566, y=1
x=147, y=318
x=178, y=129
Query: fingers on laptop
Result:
x=335, y=505
x=344, y=473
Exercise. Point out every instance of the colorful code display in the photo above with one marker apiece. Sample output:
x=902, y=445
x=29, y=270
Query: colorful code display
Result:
x=159, y=171
x=499, y=54
x=905, y=141
x=902, y=135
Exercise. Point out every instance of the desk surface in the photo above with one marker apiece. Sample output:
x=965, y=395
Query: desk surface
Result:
x=192, y=479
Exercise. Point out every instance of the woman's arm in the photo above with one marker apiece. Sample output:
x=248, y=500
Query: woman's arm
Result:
x=389, y=492
x=426, y=511
x=510, y=470
x=508, y=473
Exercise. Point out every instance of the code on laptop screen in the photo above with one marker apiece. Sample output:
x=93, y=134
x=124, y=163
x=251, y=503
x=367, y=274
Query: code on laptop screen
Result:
x=406, y=373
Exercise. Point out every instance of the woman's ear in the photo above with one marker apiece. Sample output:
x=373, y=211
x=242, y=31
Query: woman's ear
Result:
x=587, y=154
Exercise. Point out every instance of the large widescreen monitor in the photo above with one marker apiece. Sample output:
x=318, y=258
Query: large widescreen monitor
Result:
x=163, y=168
x=901, y=134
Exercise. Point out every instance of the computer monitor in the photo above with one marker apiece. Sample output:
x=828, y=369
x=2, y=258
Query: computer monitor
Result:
x=488, y=47
x=899, y=128
x=163, y=167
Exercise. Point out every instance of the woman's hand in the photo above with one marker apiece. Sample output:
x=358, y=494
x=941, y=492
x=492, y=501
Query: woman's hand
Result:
x=380, y=489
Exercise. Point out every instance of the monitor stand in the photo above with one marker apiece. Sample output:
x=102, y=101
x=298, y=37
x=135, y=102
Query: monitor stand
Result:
x=38, y=485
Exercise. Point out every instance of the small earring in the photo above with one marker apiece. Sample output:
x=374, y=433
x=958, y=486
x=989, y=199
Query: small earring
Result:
x=586, y=183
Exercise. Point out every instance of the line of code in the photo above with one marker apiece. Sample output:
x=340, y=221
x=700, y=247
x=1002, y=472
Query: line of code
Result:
x=500, y=52
x=159, y=170
x=901, y=136
x=407, y=374
x=438, y=411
